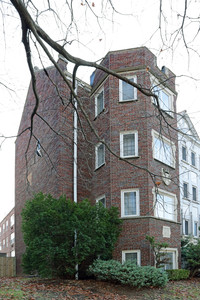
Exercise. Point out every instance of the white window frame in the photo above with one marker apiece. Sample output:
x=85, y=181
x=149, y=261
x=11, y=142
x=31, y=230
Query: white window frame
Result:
x=137, y=202
x=163, y=139
x=165, y=212
x=122, y=134
x=97, y=164
x=175, y=256
x=6, y=225
x=124, y=252
x=157, y=85
x=101, y=90
x=98, y=199
x=134, y=77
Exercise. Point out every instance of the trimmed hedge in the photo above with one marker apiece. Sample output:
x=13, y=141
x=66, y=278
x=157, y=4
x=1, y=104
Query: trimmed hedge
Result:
x=178, y=274
x=128, y=273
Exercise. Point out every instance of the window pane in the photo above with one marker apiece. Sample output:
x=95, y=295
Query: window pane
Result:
x=195, y=228
x=164, y=103
x=131, y=257
x=185, y=190
x=169, y=208
x=130, y=203
x=194, y=193
x=186, y=227
x=169, y=264
x=103, y=201
x=127, y=90
x=193, y=158
x=129, y=144
x=184, y=153
x=100, y=105
x=100, y=155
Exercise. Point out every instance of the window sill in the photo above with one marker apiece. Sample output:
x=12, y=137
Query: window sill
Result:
x=97, y=168
x=130, y=100
x=173, y=167
x=130, y=157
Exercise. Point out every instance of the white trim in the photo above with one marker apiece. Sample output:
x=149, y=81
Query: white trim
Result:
x=137, y=202
x=134, y=77
x=132, y=251
x=96, y=156
x=97, y=93
x=165, y=140
x=122, y=133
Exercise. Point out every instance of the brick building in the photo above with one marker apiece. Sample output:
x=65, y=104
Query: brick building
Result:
x=7, y=234
x=146, y=188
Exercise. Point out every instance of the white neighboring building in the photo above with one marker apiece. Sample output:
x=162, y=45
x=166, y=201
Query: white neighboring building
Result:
x=189, y=162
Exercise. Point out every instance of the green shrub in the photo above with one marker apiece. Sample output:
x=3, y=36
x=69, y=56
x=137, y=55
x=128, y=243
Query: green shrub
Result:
x=178, y=274
x=128, y=273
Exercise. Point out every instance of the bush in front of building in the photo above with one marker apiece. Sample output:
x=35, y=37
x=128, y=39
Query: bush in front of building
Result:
x=190, y=255
x=128, y=273
x=178, y=274
x=60, y=235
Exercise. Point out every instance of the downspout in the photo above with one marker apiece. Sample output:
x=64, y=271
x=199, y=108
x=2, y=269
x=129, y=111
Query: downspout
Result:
x=75, y=165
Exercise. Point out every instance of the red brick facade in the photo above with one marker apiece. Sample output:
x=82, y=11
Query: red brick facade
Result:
x=53, y=172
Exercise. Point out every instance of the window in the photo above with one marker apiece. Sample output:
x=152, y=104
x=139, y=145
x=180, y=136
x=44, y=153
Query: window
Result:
x=165, y=205
x=186, y=227
x=129, y=144
x=184, y=153
x=99, y=102
x=102, y=199
x=12, y=238
x=194, y=193
x=163, y=149
x=12, y=220
x=0, y=231
x=100, y=155
x=165, y=98
x=131, y=255
x=4, y=243
x=196, y=229
x=185, y=190
x=171, y=254
x=12, y=253
x=7, y=242
x=0, y=246
x=130, y=202
x=7, y=225
x=126, y=91
x=3, y=227
x=193, y=159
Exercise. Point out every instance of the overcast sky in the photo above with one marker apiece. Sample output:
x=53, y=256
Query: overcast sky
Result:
x=128, y=31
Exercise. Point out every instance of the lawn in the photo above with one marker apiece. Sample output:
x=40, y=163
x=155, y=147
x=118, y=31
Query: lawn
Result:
x=38, y=289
